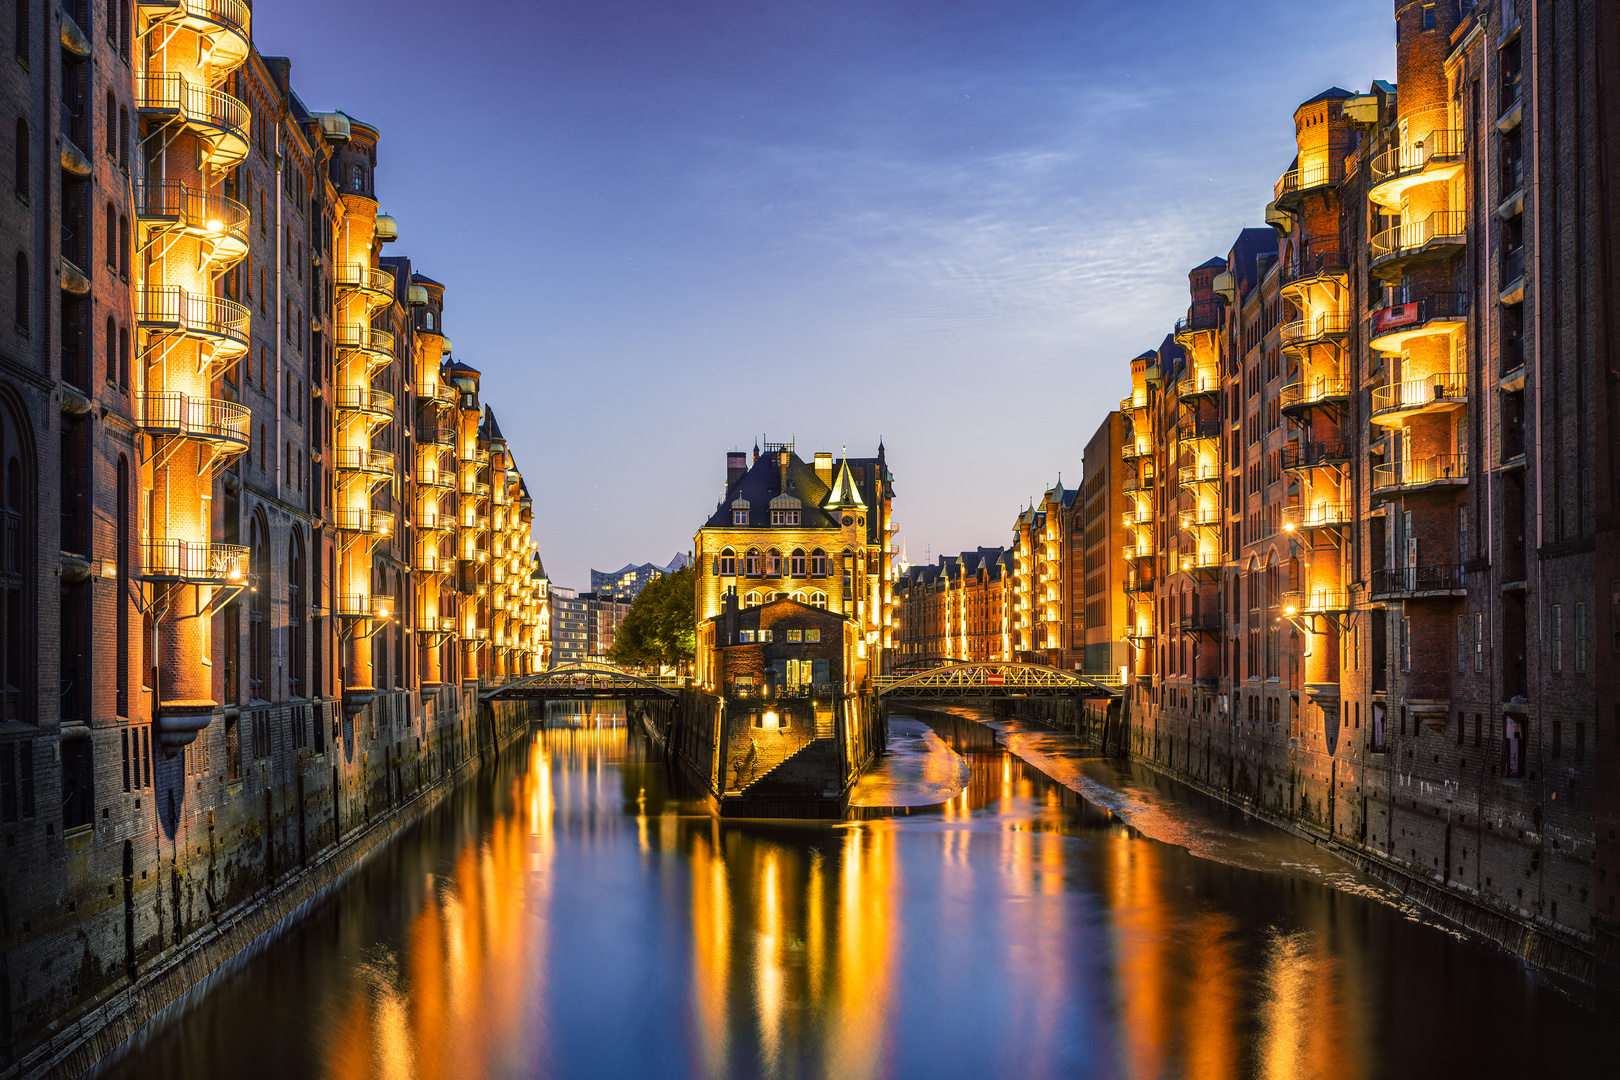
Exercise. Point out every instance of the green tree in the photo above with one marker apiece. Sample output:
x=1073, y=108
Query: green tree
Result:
x=660, y=629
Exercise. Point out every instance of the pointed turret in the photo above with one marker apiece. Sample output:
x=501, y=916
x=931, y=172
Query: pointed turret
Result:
x=845, y=495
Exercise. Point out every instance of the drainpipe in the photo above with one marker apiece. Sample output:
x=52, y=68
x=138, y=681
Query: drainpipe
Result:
x=1541, y=607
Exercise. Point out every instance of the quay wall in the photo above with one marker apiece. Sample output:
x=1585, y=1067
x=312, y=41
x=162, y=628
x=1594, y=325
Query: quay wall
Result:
x=227, y=866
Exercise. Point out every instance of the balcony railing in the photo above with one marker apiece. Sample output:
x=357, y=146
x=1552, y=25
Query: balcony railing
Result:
x=1412, y=581
x=366, y=460
x=183, y=560
x=1328, y=326
x=1137, y=400
x=1392, y=326
x=1306, y=177
x=212, y=317
x=1314, y=390
x=1312, y=264
x=1314, y=454
x=1142, y=549
x=1201, y=561
x=1408, y=163
x=1196, y=430
x=1199, y=381
x=206, y=419
x=219, y=118
x=1138, y=585
x=436, y=624
x=1201, y=622
x=1138, y=517
x=1320, y=515
x=1441, y=391
x=436, y=433
x=1136, y=448
x=1442, y=228
x=1201, y=315
x=353, y=337
x=357, y=606
x=1204, y=472
x=173, y=204
x=374, y=280
x=363, y=519
x=432, y=519
x=475, y=488
x=432, y=561
x=1315, y=602
x=1202, y=517
x=434, y=477
x=365, y=399
x=1438, y=469
x=1141, y=479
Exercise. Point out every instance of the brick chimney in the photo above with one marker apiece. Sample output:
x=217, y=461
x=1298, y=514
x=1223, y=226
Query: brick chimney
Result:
x=736, y=466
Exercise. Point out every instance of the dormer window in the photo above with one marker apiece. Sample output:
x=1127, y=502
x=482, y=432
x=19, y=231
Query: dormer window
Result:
x=784, y=517
x=739, y=517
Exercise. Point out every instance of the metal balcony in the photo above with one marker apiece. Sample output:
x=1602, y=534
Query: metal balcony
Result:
x=1314, y=391
x=377, y=346
x=1327, y=327
x=1442, y=392
x=1198, y=430
x=432, y=561
x=1315, y=602
x=1204, y=472
x=432, y=519
x=1201, y=622
x=436, y=624
x=1437, y=313
x=1312, y=267
x=1418, y=583
x=365, y=520
x=1203, y=316
x=1139, y=517
x=1437, y=236
x=475, y=488
x=221, y=224
x=1438, y=155
x=1136, y=448
x=193, y=563
x=1199, y=382
x=1137, y=400
x=1318, y=515
x=207, y=420
x=217, y=322
x=1317, y=454
x=357, y=606
x=1292, y=187
x=374, y=284
x=220, y=121
x=365, y=399
x=1204, y=562
x=1203, y=517
x=226, y=24
x=363, y=459
x=1418, y=474
x=1142, y=549
x=434, y=477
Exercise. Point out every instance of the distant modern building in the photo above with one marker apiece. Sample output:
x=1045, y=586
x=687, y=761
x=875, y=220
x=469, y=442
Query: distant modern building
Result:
x=627, y=581
x=570, y=626
x=604, y=615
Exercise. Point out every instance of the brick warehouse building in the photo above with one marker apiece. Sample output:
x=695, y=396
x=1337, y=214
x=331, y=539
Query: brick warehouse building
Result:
x=263, y=542
x=818, y=532
x=1373, y=484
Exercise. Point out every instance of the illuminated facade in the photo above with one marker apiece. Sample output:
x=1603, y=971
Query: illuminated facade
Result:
x=957, y=610
x=1369, y=491
x=818, y=532
x=262, y=545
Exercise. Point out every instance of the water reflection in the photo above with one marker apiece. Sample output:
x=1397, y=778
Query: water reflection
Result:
x=577, y=913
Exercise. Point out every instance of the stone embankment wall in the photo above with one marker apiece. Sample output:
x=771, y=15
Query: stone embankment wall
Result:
x=228, y=883
x=1221, y=775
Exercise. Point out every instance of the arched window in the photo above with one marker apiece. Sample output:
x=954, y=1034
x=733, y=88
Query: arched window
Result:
x=24, y=33
x=796, y=564
x=427, y=319
x=773, y=563
x=123, y=138
x=800, y=597
x=751, y=600
x=751, y=562
x=112, y=121
x=818, y=563
x=295, y=615
x=112, y=350
x=258, y=616
x=20, y=301
x=357, y=179
x=112, y=236
x=728, y=563
x=123, y=356
x=20, y=160
x=818, y=599
x=123, y=246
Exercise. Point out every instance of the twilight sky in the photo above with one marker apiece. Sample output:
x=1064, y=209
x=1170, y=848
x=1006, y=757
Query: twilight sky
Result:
x=669, y=226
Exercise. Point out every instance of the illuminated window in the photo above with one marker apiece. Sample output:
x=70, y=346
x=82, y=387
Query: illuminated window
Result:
x=728, y=563
x=739, y=517
x=818, y=600
x=818, y=563
x=800, y=597
x=751, y=563
x=773, y=563
x=784, y=517
x=812, y=635
x=795, y=635
x=797, y=562
x=751, y=600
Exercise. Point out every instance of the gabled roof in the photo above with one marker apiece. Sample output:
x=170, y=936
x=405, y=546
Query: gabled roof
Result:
x=845, y=496
x=1332, y=93
x=492, y=429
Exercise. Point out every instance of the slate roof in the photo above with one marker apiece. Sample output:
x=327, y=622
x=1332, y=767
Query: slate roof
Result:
x=763, y=482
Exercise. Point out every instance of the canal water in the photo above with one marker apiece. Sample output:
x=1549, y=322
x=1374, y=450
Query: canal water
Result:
x=576, y=913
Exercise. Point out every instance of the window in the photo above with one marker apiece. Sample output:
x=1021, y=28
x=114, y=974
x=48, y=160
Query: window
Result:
x=112, y=237
x=1462, y=642
x=1512, y=747
x=796, y=564
x=1558, y=637
x=1428, y=16
x=812, y=636
x=123, y=247
x=739, y=517
x=1580, y=637
x=751, y=600
x=727, y=563
x=818, y=563
x=751, y=564
x=745, y=637
x=784, y=517
x=819, y=600
x=78, y=784
x=20, y=301
x=112, y=126
x=123, y=138
x=20, y=160
x=1479, y=641
x=795, y=635
x=773, y=563
x=1406, y=642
